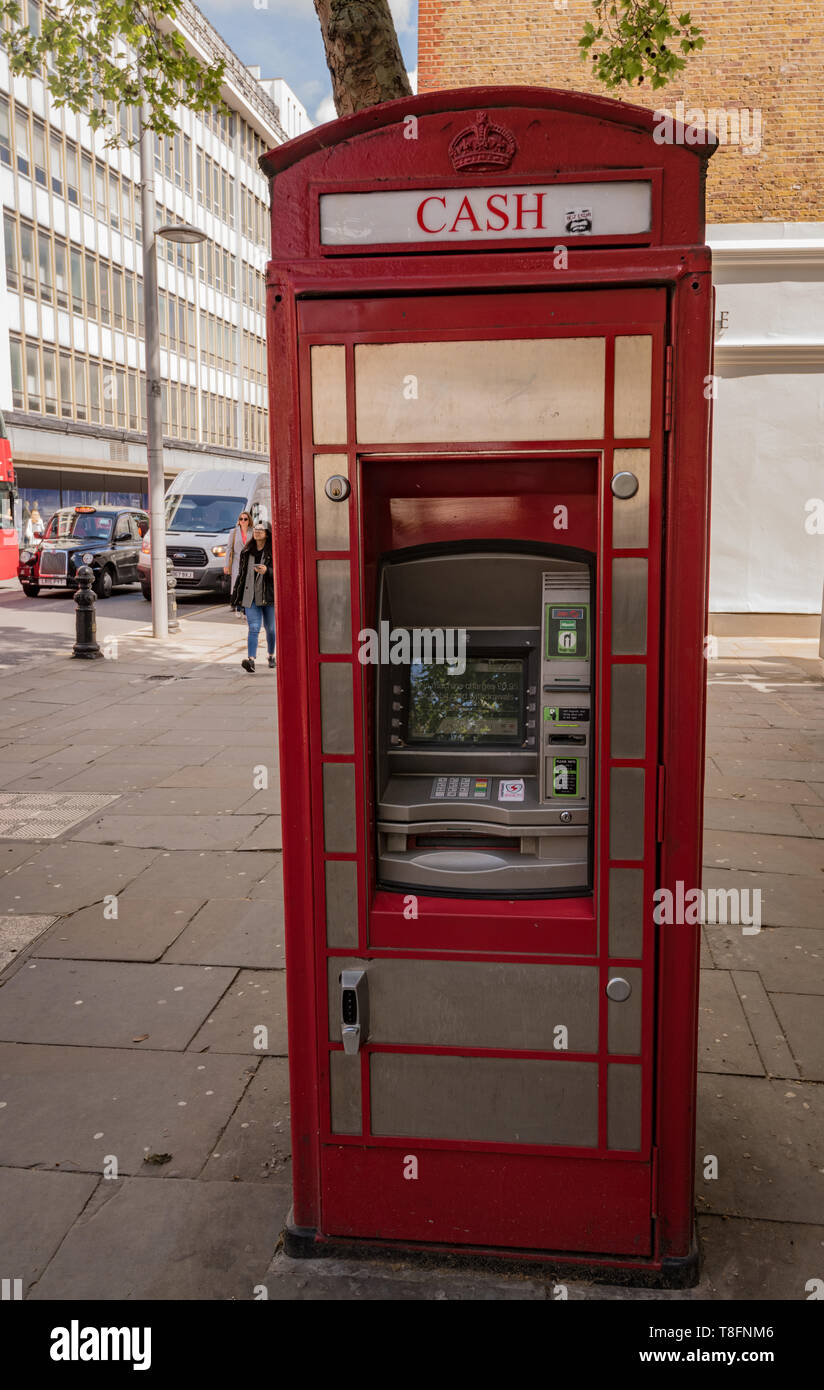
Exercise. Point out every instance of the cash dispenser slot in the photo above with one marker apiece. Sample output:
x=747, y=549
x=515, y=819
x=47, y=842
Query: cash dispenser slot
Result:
x=483, y=758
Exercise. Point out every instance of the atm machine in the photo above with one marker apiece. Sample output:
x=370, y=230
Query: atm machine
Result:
x=489, y=317
x=483, y=762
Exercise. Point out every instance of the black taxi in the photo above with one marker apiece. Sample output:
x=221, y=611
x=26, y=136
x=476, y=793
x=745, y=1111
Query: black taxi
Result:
x=107, y=539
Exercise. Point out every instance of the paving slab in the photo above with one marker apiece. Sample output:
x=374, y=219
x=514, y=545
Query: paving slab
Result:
x=212, y=874
x=70, y=1107
x=80, y=754
x=143, y=929
x=757, y=1261
x=754, y=817
x=233, y=932
x=782, y=854
x=802, y=1019
x=270, y=888
x=789, y=959
x=152, y=755
x=22, y=751
x=16, y=933
x=175, y=832
x=256, y=1143
x=725, y=1043
x=771, y=791
x=110, y=778
x=792, y=900
x=768, y=1136
x=36, y=1211
x=104, y=1004
x=265, y=802
x=768, y=1035
x=801, y=770
x=60, y=878
x=349, y=1281
x=267, y=834
x=16, y=852
x=813, y=818
x=225, y=772
x=182, y=801
x=256, y=997
x=176, y=1241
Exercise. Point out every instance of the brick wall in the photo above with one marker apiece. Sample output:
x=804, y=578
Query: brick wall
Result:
x=762, y=56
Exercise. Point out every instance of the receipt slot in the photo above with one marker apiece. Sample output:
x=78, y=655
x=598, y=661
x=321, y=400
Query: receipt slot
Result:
x=489, y=318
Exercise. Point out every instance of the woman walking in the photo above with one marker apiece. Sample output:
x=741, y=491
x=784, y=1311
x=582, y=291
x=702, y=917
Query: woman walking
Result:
x=239, y=538
x=254, y=591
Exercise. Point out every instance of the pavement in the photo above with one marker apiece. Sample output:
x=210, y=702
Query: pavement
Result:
x=144, y=1125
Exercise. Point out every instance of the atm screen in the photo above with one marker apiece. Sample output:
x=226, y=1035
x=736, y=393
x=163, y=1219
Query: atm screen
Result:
x=484, y=704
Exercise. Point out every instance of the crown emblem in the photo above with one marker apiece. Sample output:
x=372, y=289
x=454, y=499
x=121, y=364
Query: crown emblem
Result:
x=482, y=146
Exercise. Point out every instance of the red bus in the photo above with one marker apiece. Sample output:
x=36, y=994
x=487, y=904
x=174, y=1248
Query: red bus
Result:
x=8, y=496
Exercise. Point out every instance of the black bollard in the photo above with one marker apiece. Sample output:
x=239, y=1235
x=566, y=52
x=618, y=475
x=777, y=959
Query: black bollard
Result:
x=171, y=598
x=86, y=621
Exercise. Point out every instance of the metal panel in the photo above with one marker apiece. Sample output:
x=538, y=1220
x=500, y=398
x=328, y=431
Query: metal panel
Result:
x=518, y=388
x=334, y=607
x=331, y=518
x=345, y=1093
x=629, y=607
x=628, y=711
x=329, y=395
x=337, y=722
x=626, y=912
x=505, y=1100
x=624, y=1016
x=623, y=1106
x=341, y=903
x=626, y=813
x=476, y=1003
x=633, y=387
x=339, y=835
x=630, y=515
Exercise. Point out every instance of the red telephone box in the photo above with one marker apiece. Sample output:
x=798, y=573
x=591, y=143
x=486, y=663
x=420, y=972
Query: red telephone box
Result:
x=490, y=329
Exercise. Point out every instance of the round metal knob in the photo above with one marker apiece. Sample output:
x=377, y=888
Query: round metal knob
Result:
x=337, y=488
x=624, y=485
x=619, y=989
x=566, y=817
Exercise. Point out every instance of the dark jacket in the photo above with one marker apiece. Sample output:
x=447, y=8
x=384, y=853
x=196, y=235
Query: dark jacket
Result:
x=249, y=556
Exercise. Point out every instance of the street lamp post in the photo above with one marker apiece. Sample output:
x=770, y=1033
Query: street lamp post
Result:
x=172, y=231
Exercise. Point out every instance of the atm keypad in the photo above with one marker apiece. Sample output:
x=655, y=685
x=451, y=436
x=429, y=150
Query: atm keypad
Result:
x=460, y=789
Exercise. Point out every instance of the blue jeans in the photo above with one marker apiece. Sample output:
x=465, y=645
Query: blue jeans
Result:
x=254, y=616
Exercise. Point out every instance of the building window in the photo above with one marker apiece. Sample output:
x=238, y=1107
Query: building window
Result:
x=61, y=282
x=76, y=261
x=71, y=174
x=105, y=293
x=94, y=392
x=133, y=413
x=88, y=185
x=117, y=297
x=5, y=132
x=17, y=397
x=50, y=380
x=33, y=378
x=56, y=164
x=39, y=146
x=91, y=287
x=10, y=238
x=44, y=265
x=114, y=201
x=21, y=141
x=80, y=388
x=100, y=191
x=108, y=395
x=129, y=287
x=65, y=384
x=27, y=267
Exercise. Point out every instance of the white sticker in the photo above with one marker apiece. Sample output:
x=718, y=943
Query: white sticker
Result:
x=511, y=791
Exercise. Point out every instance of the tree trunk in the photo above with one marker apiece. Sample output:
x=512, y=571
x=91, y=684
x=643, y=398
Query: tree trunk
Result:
x=362, y=53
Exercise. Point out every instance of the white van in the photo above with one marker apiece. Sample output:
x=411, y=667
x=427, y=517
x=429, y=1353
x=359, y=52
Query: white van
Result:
x=202, y=507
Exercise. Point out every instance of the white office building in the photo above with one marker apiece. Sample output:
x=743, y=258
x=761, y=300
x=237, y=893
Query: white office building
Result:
x=72, y=362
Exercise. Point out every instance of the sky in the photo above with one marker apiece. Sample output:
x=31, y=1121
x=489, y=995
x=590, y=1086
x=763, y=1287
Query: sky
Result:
x=283, y=38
